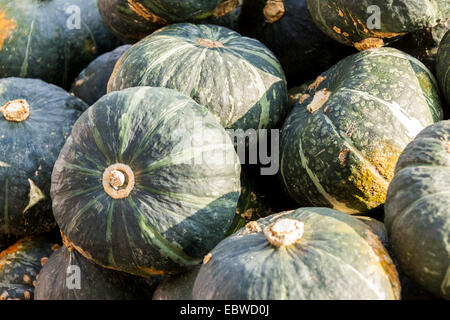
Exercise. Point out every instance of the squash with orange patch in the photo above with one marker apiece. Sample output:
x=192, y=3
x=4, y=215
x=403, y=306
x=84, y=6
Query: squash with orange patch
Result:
x=306, y=254
x=341, y=141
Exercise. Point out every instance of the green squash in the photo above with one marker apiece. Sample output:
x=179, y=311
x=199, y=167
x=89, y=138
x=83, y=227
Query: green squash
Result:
x=35, y=120
x=306, y=254
x=20, y=264
x=147, y=183
x=132, y=20
x=94, y=282
x=177, y=287
x=340, y=143
x=52, y=40
x=443, y=67
x=418, y=209
x=356, y=22
x=287, y=29
x=237, y=78
x=91, y=83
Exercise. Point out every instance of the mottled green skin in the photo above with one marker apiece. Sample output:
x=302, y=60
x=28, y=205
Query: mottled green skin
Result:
x=303, y=50
x=132, y=20
x=22, y=259
x=338, y=257
x=418, y=210
x=42, y=46
x=242, y=84
x=180, y=207
x=96, y=283
x=177, y=287
x=28, y=150
x=343, y=155
x=443, y=67
x=424, y=44
x=91, y=83
x=397, y=17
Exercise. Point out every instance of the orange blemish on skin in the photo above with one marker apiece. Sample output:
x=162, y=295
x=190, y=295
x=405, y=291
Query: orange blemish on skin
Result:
x=143, y=12
x=7, y=27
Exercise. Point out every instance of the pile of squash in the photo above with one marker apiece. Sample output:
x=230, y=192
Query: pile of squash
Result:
x=125, y=172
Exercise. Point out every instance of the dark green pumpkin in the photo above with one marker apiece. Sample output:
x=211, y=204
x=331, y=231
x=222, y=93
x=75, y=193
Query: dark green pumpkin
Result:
x=95, y=282
x=336, y=257
x=443, y=67
x=179, y=189
x=52, y=40
x=91, y=83
x=177, y=287
x=418, y=209
x=340, y=144
x=28, y=151
x=237, y=78
x=20, y=264
x=132, y=20
x=286, y=28
x=353, y=23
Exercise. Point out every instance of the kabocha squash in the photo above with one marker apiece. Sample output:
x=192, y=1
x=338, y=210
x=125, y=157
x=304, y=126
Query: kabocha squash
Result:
x=418, y=209
x=20, y=264
x=147, y=183
x=52, y=40
x=286, y=28
x=443, y=68
x=132, y=20
x=91, y=83
x=340, y=143
x=237, y=78
x=67, y=275
x=177, y=287
x=372, y=24
x=35, y=120
x=306, y=254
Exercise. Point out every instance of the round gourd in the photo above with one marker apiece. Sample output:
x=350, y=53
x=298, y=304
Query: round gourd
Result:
x=443, y=67
x=287, y=29
x=177, y=287
x=306, y=254
x=372, y=24
x=340, y=143
x=237, y=78
x=35, y=120
x=132, y=20
x=52, y=40
x=20, y=264
x=418, y=209
x=94, y=282
x=91, y=83
x=147, y=183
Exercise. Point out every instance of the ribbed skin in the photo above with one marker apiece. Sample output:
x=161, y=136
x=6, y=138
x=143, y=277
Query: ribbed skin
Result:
x=185, y=194
x=338, y=257
x=417, y=209
x=349, y=21
x=342, y=152
x=41, y=39
x=240, y=81
x=29, y=150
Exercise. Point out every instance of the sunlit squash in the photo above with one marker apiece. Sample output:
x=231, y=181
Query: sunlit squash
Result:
x=306, y=254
